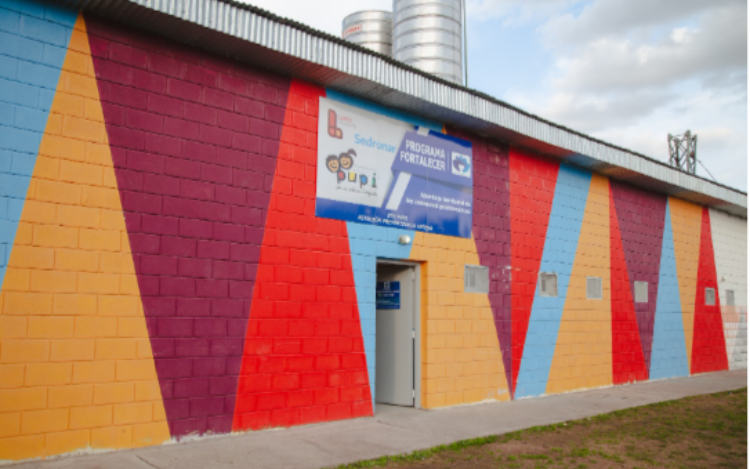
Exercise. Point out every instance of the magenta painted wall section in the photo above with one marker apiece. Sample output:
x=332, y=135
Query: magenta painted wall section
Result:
x=640, y=215
x=194, y=139
x=491, y=231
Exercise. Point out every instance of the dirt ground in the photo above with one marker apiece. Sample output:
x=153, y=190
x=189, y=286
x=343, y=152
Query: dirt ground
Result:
x=698, y=432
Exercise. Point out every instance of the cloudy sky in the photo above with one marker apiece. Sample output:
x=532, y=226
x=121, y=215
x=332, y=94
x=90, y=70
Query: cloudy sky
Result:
x=625, y=71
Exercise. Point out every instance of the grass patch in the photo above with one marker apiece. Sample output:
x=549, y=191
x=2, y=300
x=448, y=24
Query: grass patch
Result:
x=691, y=433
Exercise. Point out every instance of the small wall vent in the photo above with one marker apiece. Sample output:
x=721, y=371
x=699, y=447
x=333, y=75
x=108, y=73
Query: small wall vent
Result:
x=730, y=297
x=547, y=284
x=641, y=292
x=476, y=279
x=593, y=288
x=710, y=297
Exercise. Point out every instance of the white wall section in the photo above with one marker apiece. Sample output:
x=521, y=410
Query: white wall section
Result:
x=729, y=236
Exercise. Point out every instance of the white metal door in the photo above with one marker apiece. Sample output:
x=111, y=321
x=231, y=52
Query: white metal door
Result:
x=394, y=336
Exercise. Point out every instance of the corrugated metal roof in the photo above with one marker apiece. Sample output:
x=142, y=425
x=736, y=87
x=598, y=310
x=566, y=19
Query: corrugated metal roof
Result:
x=255, y=36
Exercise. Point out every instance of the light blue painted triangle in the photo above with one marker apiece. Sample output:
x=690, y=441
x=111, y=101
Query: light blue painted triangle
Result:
x=367, y=243
x=668, y=356
x=34, y=38
x=560, y=245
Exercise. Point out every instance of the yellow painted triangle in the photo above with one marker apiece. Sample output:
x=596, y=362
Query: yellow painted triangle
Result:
x=583, y=352
x=461, y=358
x=77, y=367
x=686, y=229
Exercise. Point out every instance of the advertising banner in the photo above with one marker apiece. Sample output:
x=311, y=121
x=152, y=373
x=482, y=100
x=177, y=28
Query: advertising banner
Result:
x=380, y=171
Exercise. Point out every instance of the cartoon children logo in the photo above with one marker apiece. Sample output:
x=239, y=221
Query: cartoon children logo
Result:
x=346, y=160
x=340, y=165
x=332, y=163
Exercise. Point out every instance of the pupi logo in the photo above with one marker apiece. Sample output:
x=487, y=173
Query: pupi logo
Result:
x=333, y=125
x=340, y=165
x=461, y=165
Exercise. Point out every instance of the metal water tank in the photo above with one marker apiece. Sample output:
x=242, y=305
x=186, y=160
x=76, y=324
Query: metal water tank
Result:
x=427, y=36
x=372, y=29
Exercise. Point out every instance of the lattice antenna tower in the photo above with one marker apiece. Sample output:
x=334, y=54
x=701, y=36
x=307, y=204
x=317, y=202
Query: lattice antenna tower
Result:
x=682, y=151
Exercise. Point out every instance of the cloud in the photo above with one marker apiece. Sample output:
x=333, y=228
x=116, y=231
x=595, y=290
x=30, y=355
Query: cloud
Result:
x=629, y=72
x=596, y=114
x=719, y=121
x=722, y=150
x=718, y=46
x=616, y=18
x=515, y=11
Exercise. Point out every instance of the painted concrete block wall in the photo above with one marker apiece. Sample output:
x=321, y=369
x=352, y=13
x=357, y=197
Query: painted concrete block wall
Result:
x=532, y=183
x=709, y=346
x=668, y=357
x=369, y=243
x=628, y=363
x=640, y=216
x=730, y=251
x=560, y=246
x=181, y=127
x=686, y=224
x=583, y=348
x=464, y=334
x=33, y=43
x=162, y=273
x=304, y=359
x=77, y=365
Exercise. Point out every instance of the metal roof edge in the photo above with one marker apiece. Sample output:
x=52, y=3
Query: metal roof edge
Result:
x=251, y=34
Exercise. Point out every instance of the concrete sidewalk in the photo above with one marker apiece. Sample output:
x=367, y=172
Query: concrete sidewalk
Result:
x=394, y=430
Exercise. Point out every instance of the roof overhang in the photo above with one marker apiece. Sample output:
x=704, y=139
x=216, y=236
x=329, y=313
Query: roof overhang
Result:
x=254, y=36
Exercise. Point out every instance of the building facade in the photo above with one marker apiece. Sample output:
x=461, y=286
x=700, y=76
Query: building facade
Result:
x=163, y=273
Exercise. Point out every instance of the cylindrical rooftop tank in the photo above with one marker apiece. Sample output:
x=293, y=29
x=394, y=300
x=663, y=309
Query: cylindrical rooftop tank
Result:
x=427, y=36
x=372, y=29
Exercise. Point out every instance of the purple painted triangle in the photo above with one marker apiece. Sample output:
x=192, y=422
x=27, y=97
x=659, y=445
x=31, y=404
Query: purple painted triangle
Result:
x=491, y=229
x=641, y=218
x=194, y=141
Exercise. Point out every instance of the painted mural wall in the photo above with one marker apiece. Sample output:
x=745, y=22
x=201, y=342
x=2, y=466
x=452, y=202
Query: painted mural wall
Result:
x=162, y=273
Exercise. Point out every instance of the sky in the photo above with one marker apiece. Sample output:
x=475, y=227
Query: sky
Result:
x=628, y=72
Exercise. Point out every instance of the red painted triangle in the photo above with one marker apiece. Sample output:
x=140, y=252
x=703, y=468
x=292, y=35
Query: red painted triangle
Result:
x=532, y=189
x=304, y=358
x=709, y=349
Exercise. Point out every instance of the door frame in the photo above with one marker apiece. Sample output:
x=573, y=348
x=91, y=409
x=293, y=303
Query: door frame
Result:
x=417, y=323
